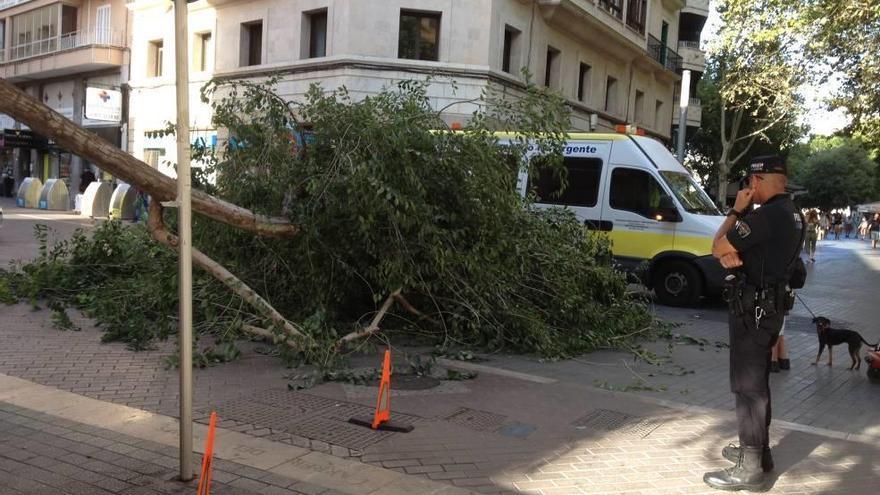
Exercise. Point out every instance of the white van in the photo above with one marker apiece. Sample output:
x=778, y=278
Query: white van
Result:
x=632, y=188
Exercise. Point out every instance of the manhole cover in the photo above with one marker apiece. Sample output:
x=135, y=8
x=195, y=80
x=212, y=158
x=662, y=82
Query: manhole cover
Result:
x=409, y=382
x=618, y=422
x=338, y=432
x=475, y=419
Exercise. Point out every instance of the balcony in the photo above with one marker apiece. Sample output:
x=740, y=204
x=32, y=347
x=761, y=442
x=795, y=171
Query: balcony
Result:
x=699, y=7
x=694, y=115
x=69, y=53
x=666, y=56
x=692, y=58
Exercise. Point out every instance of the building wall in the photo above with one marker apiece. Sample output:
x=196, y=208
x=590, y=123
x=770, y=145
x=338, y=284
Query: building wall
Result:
x=361, y=54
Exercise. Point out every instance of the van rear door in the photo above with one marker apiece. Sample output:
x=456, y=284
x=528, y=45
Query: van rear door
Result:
x=586, y=163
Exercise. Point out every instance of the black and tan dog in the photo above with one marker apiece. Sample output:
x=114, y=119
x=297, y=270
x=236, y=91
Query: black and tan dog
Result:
x=835, y=336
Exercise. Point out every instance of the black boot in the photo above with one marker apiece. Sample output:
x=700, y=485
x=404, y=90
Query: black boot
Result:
x=774, y=366
x=785, y=364
x=731, y=453
x=746, y=475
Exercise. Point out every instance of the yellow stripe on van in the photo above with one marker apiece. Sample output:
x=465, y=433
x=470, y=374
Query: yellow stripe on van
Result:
x=696, y=245
x=640, y=244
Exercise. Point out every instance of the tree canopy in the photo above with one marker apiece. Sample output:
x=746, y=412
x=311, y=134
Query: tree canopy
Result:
x=837, y=172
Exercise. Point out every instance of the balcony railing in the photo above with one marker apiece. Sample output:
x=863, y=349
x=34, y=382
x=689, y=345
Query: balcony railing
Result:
x=666, y=56
x=67, y=41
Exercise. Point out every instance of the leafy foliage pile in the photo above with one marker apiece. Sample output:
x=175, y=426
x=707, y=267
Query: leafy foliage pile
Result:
x=386, y=202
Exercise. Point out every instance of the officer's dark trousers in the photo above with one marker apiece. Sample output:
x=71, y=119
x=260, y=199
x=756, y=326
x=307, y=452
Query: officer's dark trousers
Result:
x=750, y=349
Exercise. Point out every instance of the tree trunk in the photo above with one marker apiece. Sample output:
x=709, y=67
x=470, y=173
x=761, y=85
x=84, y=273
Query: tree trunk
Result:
x=46, y=122
x=293, y=335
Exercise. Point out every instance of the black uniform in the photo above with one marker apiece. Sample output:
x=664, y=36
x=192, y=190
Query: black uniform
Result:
x=767, y=240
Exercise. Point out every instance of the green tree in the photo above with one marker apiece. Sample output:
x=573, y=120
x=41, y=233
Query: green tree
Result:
x=705, y=145
x=838, y=172
x=845, y=36
x=753, y=59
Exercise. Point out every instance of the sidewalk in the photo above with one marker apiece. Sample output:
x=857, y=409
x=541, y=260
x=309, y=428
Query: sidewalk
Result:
x=522, y=426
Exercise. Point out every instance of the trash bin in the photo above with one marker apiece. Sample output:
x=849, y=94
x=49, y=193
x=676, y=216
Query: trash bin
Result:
x=96, y=200
x=54, y=196
x=122, y=202
x=29, y=193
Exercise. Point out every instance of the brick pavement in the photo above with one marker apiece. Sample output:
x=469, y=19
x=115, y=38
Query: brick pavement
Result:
x=44, y=454
x=518, y=435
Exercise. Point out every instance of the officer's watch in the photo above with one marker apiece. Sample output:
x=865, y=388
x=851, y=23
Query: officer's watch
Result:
x=734, y=212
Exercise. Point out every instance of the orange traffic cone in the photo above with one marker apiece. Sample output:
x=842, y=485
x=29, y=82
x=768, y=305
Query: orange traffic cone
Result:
x=207, y=459
x=384, y=414
x=382, y=417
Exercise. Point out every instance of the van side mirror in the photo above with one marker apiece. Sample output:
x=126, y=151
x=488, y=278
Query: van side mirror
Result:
x=666, y=210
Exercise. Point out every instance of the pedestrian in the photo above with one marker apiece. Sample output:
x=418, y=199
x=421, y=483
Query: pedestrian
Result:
x=837, y=223
x=812, y=234
x=863, y=228
x=874, y=228
x=824, y=225
x=86, y=178
x=779, y=355
x=761, y=248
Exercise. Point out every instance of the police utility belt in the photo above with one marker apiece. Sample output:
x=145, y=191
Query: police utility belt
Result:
x=747, y=300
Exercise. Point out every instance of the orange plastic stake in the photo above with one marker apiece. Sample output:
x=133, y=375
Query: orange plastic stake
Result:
x=384, y=414
x=207, y=459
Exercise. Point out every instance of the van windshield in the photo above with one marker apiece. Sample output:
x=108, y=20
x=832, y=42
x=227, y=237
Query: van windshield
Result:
x=691, y=196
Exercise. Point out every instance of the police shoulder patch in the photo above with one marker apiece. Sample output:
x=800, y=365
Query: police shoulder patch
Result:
x=743, y=229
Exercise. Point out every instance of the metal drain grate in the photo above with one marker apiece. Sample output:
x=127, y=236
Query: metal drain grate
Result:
x=306, y=415
x=617, y=422
x=475, y=419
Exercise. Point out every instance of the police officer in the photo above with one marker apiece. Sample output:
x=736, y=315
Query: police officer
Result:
x=758, y=247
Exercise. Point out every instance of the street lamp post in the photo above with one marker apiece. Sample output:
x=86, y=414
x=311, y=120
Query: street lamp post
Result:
x=184, y=208
x=683, y=112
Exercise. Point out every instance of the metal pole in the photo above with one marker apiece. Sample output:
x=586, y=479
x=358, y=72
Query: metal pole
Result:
x=683, y=112
x=181, y=72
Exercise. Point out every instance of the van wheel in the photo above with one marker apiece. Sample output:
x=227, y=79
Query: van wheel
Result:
x=677, y=283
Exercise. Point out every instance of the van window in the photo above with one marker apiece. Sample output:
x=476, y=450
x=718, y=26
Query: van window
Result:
x=583, y=183
x=636, y=191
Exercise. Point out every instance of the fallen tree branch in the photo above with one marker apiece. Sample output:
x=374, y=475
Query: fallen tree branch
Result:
x=268, y=335
x=373, y=327
x=73, y=138
x=160, y=233
x=412, y=309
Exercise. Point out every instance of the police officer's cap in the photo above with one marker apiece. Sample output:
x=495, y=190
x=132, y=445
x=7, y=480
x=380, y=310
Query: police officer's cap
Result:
x=768, y=164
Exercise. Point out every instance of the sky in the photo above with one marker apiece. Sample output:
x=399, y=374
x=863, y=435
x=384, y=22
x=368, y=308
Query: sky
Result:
x=820, y=120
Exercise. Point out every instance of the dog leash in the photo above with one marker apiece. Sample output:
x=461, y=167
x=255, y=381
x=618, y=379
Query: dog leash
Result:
x=805, y=304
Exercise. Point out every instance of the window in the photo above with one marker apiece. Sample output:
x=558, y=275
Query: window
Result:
x=611, y=95
x=636, y=11
x=510, y=58
x=35, y=32
x=658, y=115
x=315, y=34
x=2, y=37
x=636, y=191
x=582, y=177
x=639, y=110
x=551, y=71
x=251, y=44
x=69, y=15
x=155, y=52
x=614, y=7
x=583, y=93
x=202, y=52
x=153, y=156
x=419, y=37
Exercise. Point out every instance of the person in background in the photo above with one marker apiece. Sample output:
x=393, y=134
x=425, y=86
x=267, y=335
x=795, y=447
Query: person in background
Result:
x=824, y=224
x=812, y=234
x=837, y=224
x=86, y=178
x=874, y=228
x=863, y=228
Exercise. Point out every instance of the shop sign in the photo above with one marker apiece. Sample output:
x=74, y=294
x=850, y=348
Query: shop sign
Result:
x=20, y=138
x=103, y=104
